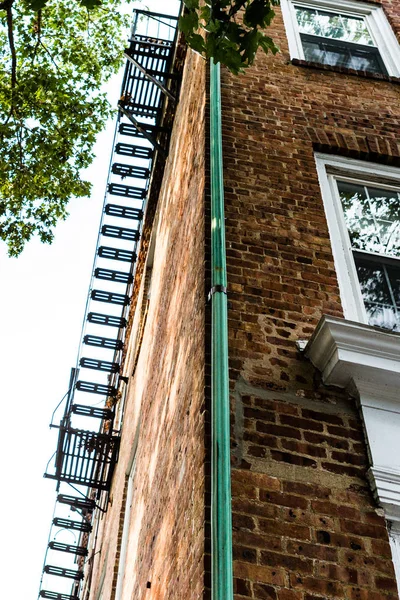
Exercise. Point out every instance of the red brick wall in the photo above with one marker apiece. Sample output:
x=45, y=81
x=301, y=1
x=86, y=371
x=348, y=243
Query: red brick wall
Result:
x=165, y=396
x=305, y=524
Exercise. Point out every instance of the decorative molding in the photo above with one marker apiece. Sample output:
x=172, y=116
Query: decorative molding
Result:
x=366, y=360
x=347, y=352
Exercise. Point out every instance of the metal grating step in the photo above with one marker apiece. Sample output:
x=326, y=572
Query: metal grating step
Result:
x=99, y=365
x=126, y=212
x=116, y=254
x=60, y=572
x=130, y=171
x=117, y=276
x=91, y=411
x=77, y=502
x=134, y=151
x=120, y=233
x=111, y=298
x=130, y=130
x=108, y=320
x=75, y=525
x=56, y=595
x=68, y=548
x=102, y=342
x=126, y=191
x=96, y=388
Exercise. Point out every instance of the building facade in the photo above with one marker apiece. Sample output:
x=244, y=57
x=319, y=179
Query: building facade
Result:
x=312, y=199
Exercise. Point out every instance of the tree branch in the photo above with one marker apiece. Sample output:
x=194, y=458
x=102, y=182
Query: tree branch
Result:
x=10, y=26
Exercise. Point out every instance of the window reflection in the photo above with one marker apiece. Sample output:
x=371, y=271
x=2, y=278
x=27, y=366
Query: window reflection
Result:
x=373, y=221
x=338, y=40
x=332, y=25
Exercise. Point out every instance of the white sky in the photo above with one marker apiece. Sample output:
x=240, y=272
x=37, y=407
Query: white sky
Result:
x=42, y=302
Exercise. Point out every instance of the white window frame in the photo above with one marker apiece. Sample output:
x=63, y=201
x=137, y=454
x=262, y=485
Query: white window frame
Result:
x=377, y=23
x=130, y=472
x=329, y=169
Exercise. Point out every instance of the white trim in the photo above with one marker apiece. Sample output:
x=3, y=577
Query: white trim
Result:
x=364, y=359
x=375, y=19
x=359, y=172
x=130, y=472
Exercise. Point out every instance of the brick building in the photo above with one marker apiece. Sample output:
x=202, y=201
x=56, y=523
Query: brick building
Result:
x=312, y=183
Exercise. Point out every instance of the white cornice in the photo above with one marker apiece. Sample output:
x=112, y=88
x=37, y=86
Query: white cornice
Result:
x=365, y=359
x=347, y=352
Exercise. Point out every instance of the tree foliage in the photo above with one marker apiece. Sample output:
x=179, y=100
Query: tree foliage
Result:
x=55, y=56
x=233, y=30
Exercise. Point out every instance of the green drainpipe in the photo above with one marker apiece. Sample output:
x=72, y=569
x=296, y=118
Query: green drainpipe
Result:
x=221, y=511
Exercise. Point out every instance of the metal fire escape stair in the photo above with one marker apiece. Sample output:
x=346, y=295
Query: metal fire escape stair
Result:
x=85, y=457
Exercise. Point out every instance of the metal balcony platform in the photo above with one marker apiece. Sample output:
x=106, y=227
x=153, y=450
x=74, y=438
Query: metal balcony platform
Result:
x=85, y=458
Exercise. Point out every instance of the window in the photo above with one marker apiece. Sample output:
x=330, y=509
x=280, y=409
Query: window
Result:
x=343, y=33
x=362, y=204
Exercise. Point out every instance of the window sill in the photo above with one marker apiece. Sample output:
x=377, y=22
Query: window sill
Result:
x=344, y=70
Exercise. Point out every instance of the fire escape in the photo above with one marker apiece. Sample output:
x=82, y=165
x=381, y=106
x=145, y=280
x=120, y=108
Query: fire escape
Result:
x=86, y=454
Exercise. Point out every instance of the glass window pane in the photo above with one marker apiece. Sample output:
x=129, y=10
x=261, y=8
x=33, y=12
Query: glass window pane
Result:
x=340, y=56
x=394, y=278
x=333, y=25
x=376, y=293
x=363, y=215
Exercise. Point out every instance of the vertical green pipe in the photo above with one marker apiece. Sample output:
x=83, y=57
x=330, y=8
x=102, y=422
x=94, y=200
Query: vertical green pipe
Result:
x=221, y=512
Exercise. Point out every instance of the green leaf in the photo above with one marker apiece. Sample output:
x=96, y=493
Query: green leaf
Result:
x=197, y=43
x=90, y=4
x=189, y=23
x=37, y=4
x=191, y=4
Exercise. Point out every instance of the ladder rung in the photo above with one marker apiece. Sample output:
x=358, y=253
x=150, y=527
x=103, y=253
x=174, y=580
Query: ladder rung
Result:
x=101, y=342
x=120, y=233
x=126, y=191
x=111, y=298
x=126, y=212
x=99, y=365
x=68, y=548
x=60, y=572
x=96, y=388
x=130, y=171
x=131, y=150
x=56, y=595
x=77, y=502
x=110, y=275
x=108, y=320
x=75, y=525
x=116, y=254
x=91, y=411
x=130, y=130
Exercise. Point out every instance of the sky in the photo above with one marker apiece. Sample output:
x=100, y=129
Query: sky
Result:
x=42, y=302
